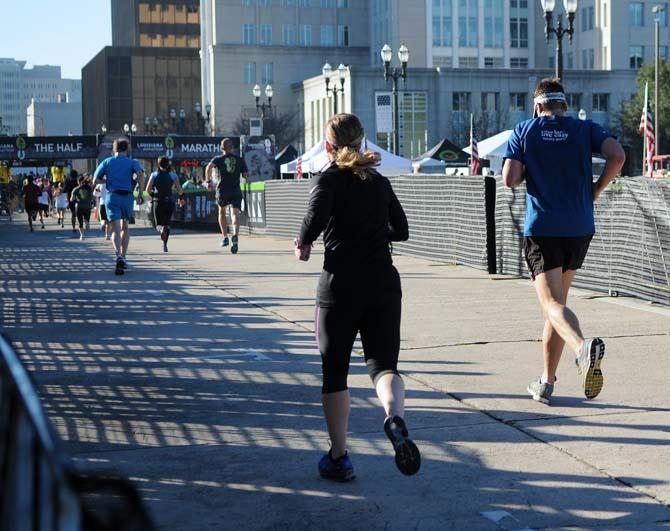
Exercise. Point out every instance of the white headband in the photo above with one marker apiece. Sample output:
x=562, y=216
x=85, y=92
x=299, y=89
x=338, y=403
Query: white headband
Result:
x=553, y=96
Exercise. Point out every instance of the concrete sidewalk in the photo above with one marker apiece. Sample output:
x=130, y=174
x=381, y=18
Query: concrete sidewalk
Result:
x=196, y=374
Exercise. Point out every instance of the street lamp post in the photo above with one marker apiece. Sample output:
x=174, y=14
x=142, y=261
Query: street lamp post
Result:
x=130, y=130
x=103, y=129
x=657, y=10
x=182, y=120
x=395, y=74
x=154, y=125
x=327, y=71
x=208, y=112
x=173, y=118
x=197, y=108
x=570, y=8
x=269, y=93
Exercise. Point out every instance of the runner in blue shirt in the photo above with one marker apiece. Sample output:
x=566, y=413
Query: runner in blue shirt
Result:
x=553, y=154
x=117, y=173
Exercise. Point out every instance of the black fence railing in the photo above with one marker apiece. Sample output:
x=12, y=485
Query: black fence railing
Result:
x=40, y=490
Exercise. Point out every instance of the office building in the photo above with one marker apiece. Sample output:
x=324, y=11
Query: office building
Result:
x=48, y=118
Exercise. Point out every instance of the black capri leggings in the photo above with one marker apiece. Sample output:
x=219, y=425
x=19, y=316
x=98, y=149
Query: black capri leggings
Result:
x=377, y=320
x=163, y=210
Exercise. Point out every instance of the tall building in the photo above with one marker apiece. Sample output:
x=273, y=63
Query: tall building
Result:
x=150, y=76
x=274, y=42
x=19, y=86
x=45, y=118
x=156, y=24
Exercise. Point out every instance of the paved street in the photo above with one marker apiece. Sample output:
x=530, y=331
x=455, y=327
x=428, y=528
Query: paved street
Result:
x=196, y=375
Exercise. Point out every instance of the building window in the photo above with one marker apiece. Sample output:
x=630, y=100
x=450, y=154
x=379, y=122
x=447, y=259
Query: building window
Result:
x=663, y=52
x=267, y=74
x=288, y=34
x=250, y=73
x=663, y=15
x=327, y=36
x=600, y=102
x=247, y=3
x=442, y=22
x=584, y=60
x=521, y=4
x=413, y=107
x=574, y=101
x=266, y=34
x=591, y=17
x=343, y=3
x=326, y=3
x=266, y=3
x=517, y=101
x=468, y=62
x=490, y=101
x=442, y=61
x=493, y=23
x=592, y=59
x=305, y=3
x=288, y=3
x=342, y=35
x=636, y=14
x=635, y=56
x=519, y=32
x=305, y=35
x=493, y=62
x=518, y=62
x=248, y=34
x=467, y=23
x=460, y=101
x=570, y=60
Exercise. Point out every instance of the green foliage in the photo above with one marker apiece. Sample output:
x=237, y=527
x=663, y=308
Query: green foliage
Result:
x=627, y=122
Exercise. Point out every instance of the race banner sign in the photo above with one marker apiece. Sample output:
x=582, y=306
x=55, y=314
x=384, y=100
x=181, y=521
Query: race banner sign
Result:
x=50, y=148
x=179, y=147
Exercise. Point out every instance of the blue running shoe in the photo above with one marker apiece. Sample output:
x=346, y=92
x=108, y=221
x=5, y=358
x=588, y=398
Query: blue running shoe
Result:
x=234, y=247
x=225, y=242
x=339, y=469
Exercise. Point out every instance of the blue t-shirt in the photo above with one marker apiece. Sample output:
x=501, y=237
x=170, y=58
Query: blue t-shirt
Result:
x=556, y=151
x=119, y=171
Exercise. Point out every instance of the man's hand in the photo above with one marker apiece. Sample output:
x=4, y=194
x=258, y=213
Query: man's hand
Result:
x=302, y=251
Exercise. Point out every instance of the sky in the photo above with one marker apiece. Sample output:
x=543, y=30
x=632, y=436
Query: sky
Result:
x=68, y=33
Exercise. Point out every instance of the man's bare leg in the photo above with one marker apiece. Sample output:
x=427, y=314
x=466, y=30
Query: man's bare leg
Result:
x=125, y=237
x=552, y=342
x=116, y=235
x=223, y=221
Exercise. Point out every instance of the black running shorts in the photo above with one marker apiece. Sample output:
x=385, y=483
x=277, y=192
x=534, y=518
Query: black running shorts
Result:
x=544, y=253
x=377, y=318
x=83, y=216
x=225, y=200
x=103, y=213
x=163, y=210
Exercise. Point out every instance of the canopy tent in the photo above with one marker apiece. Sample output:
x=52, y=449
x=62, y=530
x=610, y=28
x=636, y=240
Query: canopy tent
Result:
x=316, y=160
x=447, y=153
x=287, y=154
x=493, y=150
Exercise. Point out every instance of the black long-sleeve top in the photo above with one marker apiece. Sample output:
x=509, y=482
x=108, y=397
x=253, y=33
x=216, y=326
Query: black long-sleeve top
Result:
x=358, y=217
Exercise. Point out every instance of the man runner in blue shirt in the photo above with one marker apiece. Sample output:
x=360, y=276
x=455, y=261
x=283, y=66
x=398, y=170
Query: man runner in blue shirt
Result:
x=553, y=153
x=117, y=172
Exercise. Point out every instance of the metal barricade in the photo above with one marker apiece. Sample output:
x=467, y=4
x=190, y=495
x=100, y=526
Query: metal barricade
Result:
x=40, y=489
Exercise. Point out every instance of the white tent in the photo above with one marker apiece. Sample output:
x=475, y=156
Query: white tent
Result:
x=316, y=160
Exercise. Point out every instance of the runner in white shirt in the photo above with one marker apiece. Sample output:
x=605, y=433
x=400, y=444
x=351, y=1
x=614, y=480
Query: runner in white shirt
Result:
x=101, y=193
x=43, y=201
x=61, y=204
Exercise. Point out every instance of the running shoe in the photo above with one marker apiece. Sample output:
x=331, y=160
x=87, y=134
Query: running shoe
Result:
x=225, y=242
x=108, y=237
x=340, y=469
x=165, y=249
x=234, y=247
x=81, y=237
x=165, y=234
x=407, y=455
x=124, y=262
x=43, y=227
x=541, y=392
x=588, y=366
x=119, y=266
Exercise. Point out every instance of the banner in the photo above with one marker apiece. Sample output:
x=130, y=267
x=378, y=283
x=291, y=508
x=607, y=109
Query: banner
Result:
x=179, y=147
x=48, y=148
x=259, y=154
x=383, y=112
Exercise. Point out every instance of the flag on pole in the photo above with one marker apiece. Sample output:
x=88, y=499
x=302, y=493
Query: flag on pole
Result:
x=647, y=129
x=475, y=164
x=298, y=168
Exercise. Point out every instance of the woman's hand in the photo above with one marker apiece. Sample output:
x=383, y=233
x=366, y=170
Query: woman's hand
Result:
x=302, y=251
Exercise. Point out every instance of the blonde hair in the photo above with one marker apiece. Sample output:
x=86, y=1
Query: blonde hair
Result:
x=344, y=133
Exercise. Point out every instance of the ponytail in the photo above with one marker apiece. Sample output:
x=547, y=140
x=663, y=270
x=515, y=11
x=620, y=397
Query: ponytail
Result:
x=348, y=158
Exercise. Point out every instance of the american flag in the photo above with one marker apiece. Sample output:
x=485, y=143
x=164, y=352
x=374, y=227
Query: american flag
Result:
x=475, y=164
x=298, y=168
x=647, y=128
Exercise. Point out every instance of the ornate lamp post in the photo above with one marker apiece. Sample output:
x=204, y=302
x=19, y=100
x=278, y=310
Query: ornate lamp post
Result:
x=269, y=93
x=570, y=8
x=208, y=112
x=173, y=118
x=395, y=74
x=327, y=72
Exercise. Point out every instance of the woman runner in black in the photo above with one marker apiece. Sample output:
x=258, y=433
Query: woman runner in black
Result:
x=160, y=188
x=359, y=289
